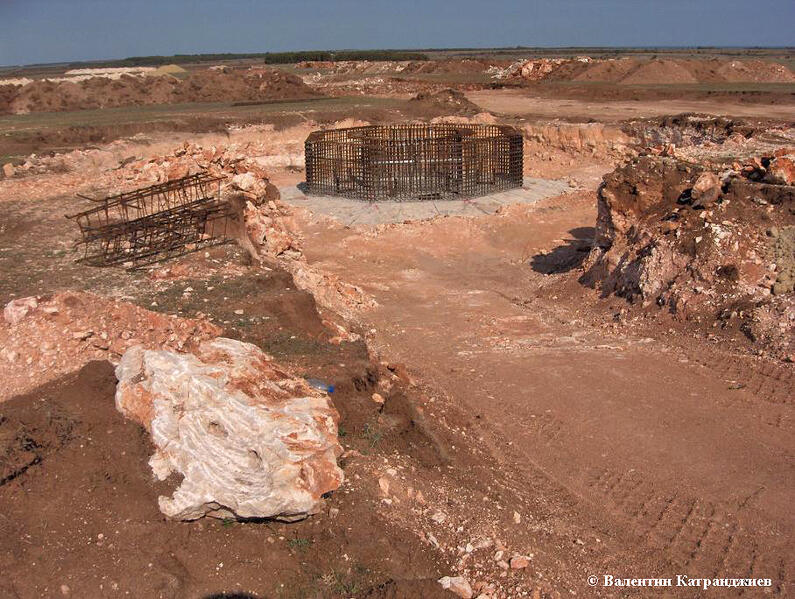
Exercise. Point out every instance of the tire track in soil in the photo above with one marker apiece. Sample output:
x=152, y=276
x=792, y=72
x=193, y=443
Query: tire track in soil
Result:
x=766, y=381
x=699, y=537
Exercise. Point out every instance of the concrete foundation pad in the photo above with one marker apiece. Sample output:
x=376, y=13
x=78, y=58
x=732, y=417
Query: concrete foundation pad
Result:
x=357, y=212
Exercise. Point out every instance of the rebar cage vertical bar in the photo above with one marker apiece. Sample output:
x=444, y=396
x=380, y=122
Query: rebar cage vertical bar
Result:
x=154, y=223
x=414, y=161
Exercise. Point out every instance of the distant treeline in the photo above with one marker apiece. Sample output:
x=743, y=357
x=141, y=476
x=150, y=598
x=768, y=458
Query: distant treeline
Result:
x=266, y=57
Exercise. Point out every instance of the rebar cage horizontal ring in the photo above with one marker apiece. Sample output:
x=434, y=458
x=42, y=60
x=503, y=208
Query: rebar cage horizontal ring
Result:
x=414, y=161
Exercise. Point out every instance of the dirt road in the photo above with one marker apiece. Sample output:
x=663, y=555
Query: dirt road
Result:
x=678, y=456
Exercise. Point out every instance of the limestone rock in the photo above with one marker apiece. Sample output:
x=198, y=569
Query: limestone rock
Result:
x=250, y=440
x=245, y=181
x=458, y=585
x=330, y=291
x=267, y=231
x=17, y=309
x=782, y=170
x=177, y=171
x=253, y=184
x=706, y=189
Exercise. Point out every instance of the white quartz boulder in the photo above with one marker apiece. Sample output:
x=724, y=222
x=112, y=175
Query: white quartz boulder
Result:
x=249, y=439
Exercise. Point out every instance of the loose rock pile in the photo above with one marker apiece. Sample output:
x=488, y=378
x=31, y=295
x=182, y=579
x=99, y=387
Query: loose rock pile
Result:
x=535, y=69
x=777, y=168
x=706, y=245
x=43, y=338
x=191, y=158
x=247, y=187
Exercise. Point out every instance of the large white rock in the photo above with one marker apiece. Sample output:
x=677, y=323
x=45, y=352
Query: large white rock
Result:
x=250, y=440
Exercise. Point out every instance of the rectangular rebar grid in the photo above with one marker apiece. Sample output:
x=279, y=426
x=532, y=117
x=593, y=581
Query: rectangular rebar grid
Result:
x=154, y=223
x=414, y=161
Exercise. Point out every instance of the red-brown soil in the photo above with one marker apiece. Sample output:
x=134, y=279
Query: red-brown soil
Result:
x=524, y=413
x=446, y=101
x=680, y=446
x=79, y=509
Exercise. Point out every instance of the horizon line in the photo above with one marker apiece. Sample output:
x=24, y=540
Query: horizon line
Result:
x=451, y=49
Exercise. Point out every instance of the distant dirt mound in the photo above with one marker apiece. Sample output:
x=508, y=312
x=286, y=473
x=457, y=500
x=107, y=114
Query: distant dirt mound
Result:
x=449, y=101
x=538, y=69
x=7, y=94
x=400, y=68
x=755, y=70
x=448, y=66
x=634, y=71
x=660, y=72
x=170, y=69
x=608, y=70
x=253, y=85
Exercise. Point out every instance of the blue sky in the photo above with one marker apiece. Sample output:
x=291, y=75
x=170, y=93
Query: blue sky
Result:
x=65, y=30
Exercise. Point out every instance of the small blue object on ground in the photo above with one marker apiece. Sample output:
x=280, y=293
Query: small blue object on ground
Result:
x=318, y=384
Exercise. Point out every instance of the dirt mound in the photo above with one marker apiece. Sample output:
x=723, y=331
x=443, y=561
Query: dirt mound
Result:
x=256, y=84
x=346, y=78
x=253, y=85
x=607, y=70
x=448, y=66
x=754, y=70
x=660, y=72
x=465, y=65
x=7, y=93
x=634, y=71
x=170, y=69
x=675, y=234
x=540, y=69
x=447, y=100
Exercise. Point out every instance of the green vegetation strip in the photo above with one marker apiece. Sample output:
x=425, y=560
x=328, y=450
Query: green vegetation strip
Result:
x=266, y=57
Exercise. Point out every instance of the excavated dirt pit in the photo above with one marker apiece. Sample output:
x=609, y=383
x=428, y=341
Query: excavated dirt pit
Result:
x=528, y=420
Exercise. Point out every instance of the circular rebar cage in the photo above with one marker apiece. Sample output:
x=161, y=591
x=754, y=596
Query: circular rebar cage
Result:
x=413, y=161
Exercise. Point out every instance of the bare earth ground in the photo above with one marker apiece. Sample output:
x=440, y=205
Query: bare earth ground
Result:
x=649, y=438
x=524, y=414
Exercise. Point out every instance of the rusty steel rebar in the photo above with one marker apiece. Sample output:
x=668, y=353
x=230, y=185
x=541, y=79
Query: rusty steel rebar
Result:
x=152, y=224
x=414, y=161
